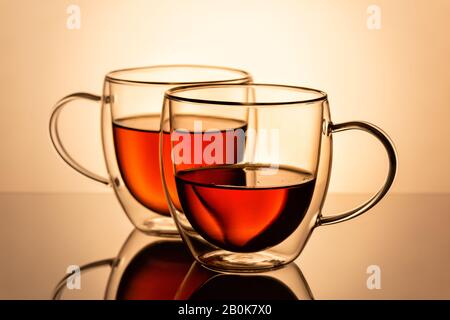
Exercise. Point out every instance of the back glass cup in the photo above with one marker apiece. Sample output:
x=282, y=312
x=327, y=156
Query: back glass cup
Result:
x=252, y=164
x=130, y=125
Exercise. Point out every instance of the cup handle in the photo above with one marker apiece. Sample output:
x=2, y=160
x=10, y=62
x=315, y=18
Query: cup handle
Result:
x=56, y=140
x=390, y=150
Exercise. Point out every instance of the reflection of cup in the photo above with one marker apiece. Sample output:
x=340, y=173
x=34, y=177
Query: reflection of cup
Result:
x=286, y=283
x=152, y=268
x=258, y=213
x=148, y=268
x=131, y=108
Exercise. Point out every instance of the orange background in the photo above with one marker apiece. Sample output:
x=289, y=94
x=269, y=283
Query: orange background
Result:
x=397, y=77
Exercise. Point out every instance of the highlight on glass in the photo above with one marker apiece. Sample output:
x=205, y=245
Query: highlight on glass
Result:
x=131, y=105
x=246, y=169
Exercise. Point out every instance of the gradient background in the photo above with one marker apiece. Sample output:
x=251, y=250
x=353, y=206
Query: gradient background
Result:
x=397, y=77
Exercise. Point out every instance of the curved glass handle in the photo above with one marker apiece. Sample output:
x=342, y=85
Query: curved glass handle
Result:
x=389, y=146
x=56, y=140
x=59, y=289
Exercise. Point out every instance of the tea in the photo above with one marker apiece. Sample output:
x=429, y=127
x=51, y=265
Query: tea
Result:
x=137, y=147
x=245, y=208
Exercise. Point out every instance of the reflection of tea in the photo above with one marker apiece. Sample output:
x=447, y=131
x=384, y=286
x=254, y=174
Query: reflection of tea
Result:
x=156, y=272
x=137, y=147
x=245, y=208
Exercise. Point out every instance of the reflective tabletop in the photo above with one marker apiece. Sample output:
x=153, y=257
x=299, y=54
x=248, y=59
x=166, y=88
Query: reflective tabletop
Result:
x=399, y=250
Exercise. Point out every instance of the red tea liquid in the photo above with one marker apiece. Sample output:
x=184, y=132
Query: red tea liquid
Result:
x=245, y=208
x=136, y=141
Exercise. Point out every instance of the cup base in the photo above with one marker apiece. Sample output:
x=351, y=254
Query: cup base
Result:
x=222, y=260
x=159, y=226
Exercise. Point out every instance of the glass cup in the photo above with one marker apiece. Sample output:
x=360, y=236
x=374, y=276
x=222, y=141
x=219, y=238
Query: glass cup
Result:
x=252, y=165
x=130, y=118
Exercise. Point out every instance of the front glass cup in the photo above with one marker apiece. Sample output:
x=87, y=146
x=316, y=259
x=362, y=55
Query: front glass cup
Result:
x=130, y=119
x=251, y=164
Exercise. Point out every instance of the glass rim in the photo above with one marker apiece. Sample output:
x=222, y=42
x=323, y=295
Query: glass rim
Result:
x=171, y=94
x=113, y=76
